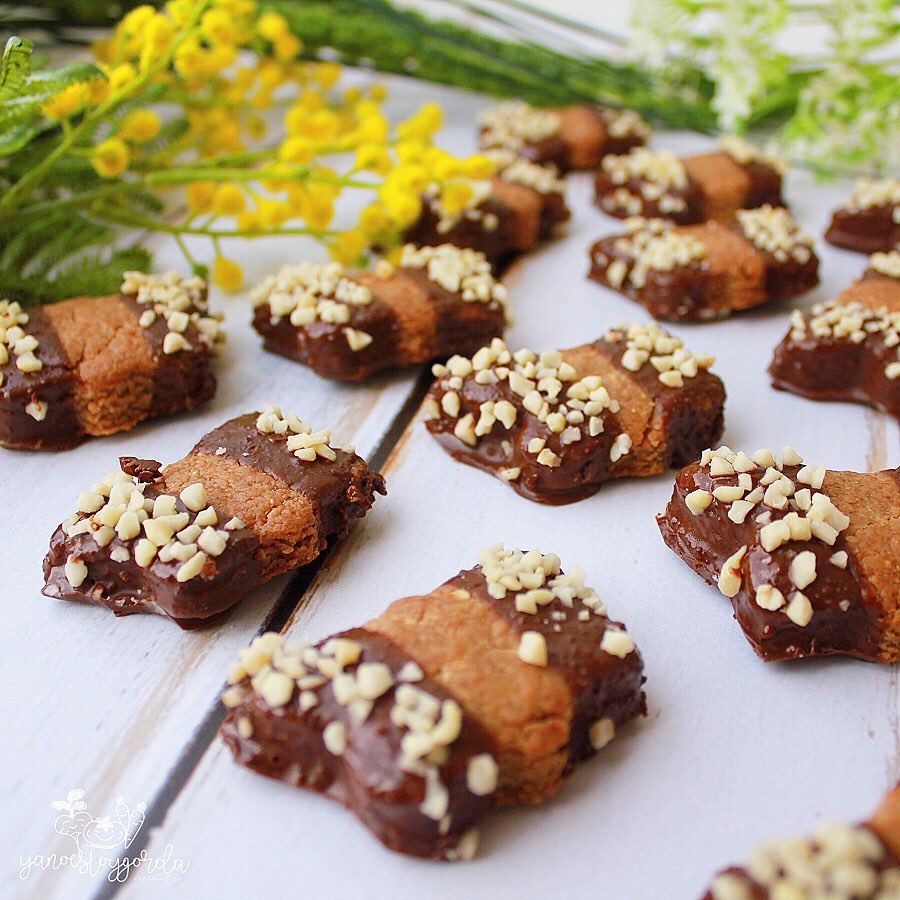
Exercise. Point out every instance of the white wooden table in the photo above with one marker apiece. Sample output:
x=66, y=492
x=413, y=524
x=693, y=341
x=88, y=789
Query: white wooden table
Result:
x=732, y=749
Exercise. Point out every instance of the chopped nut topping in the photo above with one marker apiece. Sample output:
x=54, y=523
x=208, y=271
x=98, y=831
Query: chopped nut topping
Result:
x=744, y=153
x=535, y=581
x=181, y=302
x=853, y=322
x=651, y=245
x=512, y=124
x=838, y=860
x=532, y=648
x=869, y=193
x=730, y=580
x=886, y=263
x=659, y=176
x=309, y=292
x=774, y=230
x=481, y=775
x=541, y=178
x=649, y=343
x=616, y=643
x=472, y=211
x=601, y=733
x=357, y=340
x=15, y=341
x=460, y=271
x=150, y=528
x=548, y=390
x=302, y=441
x=274, y=668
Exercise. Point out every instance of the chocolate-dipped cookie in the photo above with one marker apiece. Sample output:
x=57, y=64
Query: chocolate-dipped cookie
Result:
x=848, y=348
x=809, y=558
x=690, y=189
x=506, y=215
x=556, y=426
x=572, y=137
x=869, y=220
x=349, y=325
x=93, y=366
x=486, y=691
x=838, y=860
x=708, y=271
x=257, y=496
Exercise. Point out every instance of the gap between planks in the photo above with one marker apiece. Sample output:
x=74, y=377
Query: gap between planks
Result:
x=281, y=614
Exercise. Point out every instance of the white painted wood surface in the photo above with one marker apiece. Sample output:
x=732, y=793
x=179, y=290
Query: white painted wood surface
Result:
x=732, y=749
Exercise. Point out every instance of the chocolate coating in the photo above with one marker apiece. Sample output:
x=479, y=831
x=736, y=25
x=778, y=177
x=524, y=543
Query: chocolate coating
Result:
x=870, y=230
x=54, y=385
x=831, y=368
x=368, y=777
x=846, y=611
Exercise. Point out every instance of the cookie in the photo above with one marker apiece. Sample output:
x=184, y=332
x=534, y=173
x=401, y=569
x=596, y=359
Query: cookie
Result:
x=256, y=497
x=556, y=426
x=848, y=348
x=350, y=325
x=839, y=860
x=509, y=214
x=690, y=189
x=809, y=558
x=92, y=366
x=485, y=692
x=708, y=271
x=869, y=220
x=571, y=137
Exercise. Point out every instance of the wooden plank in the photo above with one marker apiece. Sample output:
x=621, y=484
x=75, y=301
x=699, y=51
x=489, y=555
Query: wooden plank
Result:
x=733, y=749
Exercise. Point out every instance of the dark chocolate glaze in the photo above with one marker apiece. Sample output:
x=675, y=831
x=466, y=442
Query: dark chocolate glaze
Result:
x=602, y=685
x=324, y=348
x=869, y=230
x=54, y=385
x=500, y=246
x=182, y=380
x=760, y=892
x=584, y=464
x=706, y=541
x=685, y=292
x=127, y=588
x=460, y=327
x=832, y=368
x=679, y=294
x=764, y=187
x=368, y=777
x=342, y=490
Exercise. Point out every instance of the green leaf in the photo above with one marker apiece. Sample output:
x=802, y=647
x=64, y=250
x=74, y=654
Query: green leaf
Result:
x=22, y=92
x=90, y=275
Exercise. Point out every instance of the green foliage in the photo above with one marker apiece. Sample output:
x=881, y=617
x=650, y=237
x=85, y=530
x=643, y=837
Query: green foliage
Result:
x=22, y=92
x=394, y=39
